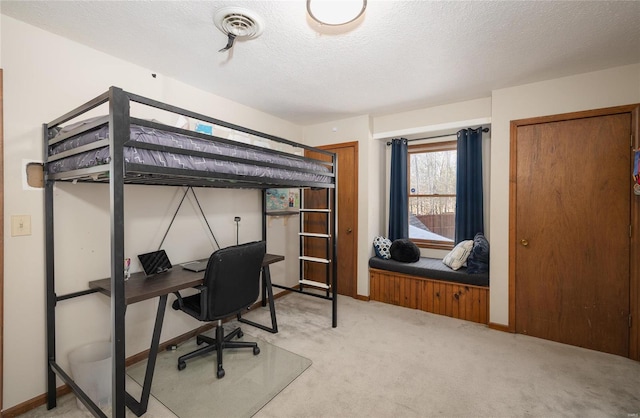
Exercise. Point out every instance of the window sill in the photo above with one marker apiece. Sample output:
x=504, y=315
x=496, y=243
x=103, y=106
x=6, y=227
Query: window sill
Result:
x=433, y=244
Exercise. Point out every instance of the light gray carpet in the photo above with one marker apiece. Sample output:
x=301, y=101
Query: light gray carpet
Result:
x=387, y=361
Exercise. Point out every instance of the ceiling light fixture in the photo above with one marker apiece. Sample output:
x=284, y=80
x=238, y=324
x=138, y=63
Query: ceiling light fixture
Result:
x=335, y=12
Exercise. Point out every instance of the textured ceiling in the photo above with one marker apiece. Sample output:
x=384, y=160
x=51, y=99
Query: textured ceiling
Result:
x=400, y=56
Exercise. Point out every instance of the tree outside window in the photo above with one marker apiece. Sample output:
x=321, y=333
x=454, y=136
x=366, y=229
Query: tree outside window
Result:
x=432, y=194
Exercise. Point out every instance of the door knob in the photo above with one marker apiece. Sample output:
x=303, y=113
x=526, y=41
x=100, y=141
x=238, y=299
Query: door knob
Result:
x=349, y=230
x=524, y=242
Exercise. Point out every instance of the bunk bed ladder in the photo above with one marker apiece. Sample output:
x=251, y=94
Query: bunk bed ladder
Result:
x=305, y=239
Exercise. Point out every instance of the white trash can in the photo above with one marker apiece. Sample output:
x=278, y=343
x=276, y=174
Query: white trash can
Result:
x=91, y=370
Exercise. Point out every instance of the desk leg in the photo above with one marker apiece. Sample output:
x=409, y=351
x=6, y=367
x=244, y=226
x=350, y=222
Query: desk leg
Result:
x=266, y=287
x=139, y=408
x=266, y=280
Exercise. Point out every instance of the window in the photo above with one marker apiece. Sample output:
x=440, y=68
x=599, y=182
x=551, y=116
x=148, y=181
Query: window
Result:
x=432, y=194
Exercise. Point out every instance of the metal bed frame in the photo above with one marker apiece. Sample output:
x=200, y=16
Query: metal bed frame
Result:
x=117, y=173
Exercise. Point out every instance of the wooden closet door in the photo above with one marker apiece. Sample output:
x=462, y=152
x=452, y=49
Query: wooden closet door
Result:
x=347, y=231
x=572, y=250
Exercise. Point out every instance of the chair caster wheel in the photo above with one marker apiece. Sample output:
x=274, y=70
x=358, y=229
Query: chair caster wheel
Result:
x=220, y=373
x=240, y=334
x=182, y=365
x=256, y=351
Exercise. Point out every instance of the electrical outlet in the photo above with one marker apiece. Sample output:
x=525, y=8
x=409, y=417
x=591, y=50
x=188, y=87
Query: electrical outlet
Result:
x=20, y=225
x=236, y=219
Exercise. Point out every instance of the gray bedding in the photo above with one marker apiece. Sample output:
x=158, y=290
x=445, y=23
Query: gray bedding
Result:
x=185, y=161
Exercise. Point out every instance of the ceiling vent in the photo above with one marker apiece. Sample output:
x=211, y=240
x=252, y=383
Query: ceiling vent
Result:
x=237, y=22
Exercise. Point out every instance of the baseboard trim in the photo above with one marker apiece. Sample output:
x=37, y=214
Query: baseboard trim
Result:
x=40, y=400
x=27, y=406
x=500, y=327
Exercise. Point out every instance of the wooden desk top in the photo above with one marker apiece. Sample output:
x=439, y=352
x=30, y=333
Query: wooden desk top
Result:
x=139, y=287
x=271, y=258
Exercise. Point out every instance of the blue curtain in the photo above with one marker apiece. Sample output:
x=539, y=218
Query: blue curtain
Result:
x=398, y=199
x=469, y=212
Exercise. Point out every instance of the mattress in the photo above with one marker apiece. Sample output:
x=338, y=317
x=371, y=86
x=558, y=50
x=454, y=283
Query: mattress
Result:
x=311, y=172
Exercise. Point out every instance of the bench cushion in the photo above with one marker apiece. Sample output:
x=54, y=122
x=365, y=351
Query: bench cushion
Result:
x=431, y=268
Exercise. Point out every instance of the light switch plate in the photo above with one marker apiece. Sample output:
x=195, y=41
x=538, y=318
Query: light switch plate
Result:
x=20, y=225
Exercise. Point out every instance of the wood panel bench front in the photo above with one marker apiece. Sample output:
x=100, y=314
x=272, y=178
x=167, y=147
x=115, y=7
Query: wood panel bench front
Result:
x=455, y=300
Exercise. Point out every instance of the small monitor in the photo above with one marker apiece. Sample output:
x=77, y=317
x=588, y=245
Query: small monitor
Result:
x=155, y=262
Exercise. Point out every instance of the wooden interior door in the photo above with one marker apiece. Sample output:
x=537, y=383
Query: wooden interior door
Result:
x=572, y=231
x=346, y=231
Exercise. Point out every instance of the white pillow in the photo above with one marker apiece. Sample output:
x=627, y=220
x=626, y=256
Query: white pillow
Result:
x=458, y=256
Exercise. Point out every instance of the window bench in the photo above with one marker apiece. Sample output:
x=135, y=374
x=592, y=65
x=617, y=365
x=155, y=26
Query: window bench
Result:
x=430, y=286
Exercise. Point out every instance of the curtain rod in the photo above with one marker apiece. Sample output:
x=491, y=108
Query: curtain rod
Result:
x=485, y=130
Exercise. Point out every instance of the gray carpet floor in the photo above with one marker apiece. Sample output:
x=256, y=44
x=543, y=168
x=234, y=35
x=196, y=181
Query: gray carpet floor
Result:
x=387, y=361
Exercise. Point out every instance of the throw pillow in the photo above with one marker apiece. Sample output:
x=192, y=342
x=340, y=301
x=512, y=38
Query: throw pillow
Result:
x=382, y=247
x=405, y=251
x=478, y=261
x=458, y=256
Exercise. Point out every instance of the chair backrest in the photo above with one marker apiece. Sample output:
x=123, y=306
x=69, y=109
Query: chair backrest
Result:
x=232, y=278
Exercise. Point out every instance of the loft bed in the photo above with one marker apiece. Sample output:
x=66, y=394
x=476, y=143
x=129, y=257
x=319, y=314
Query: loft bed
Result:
x=119, y=149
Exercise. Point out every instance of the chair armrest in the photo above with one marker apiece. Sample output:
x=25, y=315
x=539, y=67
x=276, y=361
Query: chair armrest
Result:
x=200, y=288
x=203, y=302
x=179, y=300
x=201, y=311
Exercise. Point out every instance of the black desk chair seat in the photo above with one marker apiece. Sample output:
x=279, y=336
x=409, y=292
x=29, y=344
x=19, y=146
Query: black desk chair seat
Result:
x=231, y=285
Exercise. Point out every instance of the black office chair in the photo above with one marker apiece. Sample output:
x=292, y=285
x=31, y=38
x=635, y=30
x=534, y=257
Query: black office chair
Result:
x=231, y=284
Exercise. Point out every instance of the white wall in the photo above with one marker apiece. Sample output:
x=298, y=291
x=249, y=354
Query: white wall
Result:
x=612, y=87
x=44, y=77
x=432, y=120
x=282, y=239
x=0, y=38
